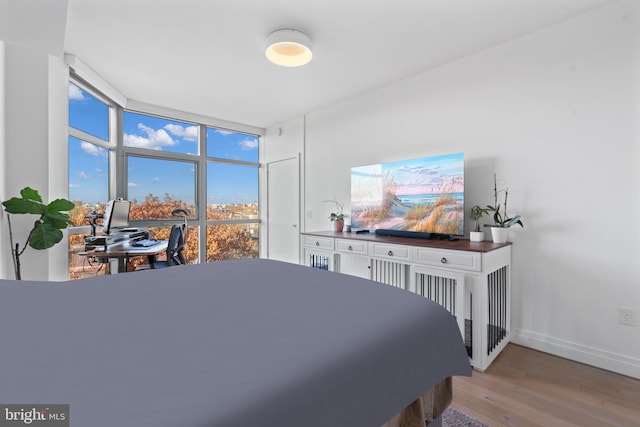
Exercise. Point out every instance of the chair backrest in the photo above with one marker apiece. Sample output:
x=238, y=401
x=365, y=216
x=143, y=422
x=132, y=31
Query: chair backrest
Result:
x=175, y=246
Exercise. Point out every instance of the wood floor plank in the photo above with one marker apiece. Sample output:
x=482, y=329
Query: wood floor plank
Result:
x=528, y=388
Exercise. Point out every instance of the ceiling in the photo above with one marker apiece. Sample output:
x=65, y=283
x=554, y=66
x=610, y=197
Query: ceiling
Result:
x=207, y=56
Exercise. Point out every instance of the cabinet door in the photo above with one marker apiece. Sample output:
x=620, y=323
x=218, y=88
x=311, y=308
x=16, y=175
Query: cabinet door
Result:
x=390, y=272
x=448, y=289
x=323, y=260
x=355, y=265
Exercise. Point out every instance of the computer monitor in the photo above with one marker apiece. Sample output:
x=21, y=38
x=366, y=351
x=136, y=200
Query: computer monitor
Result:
x=116, y=215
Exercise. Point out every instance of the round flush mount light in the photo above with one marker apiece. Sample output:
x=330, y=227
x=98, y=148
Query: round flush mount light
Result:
x=288, y=48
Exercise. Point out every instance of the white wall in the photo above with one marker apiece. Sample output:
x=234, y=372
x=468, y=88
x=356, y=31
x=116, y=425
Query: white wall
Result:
x=4, y=248
x=556, y=115
x=35, y=141
x=279, y=144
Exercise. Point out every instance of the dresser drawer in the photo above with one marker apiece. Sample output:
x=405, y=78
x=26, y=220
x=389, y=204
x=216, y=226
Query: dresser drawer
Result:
x=387, y=251
x=352, y=246
x=444, y=258
x=318, y=242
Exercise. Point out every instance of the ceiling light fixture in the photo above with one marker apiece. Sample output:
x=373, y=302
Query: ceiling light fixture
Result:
x=289, y=48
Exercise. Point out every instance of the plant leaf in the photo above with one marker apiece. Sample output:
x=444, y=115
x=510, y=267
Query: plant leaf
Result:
x=24, y=206
x=60, y=205
x=57, y=219
x=513, y=221
x=30, y=194
x=44, y=236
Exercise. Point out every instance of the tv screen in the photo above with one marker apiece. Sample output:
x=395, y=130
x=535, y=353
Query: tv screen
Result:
x=423, y=195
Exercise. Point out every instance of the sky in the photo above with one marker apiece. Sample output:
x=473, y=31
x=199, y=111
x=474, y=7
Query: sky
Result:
x=89, y=165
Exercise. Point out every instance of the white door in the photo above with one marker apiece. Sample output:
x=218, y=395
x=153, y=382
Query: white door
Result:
x=283, y=210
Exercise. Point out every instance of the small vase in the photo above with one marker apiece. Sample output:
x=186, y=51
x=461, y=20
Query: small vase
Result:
x=476, y=236
x=337, y=225
x=499, y=234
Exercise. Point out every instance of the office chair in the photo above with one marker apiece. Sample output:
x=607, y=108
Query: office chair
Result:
x=175, y=247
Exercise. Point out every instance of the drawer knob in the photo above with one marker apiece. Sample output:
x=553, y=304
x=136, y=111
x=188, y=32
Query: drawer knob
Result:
x=390, y=253
x=317, y=243
x=443, y=260
x=350, y=248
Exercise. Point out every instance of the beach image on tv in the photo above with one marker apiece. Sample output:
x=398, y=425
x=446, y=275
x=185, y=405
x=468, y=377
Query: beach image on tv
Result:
x=422, y=195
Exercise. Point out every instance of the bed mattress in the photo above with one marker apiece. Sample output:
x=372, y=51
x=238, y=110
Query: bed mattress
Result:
x=231, y=343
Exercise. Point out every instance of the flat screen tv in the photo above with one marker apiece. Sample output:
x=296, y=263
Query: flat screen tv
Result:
x=418, y=198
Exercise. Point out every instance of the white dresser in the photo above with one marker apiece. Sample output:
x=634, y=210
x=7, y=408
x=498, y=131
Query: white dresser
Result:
x=470, y=279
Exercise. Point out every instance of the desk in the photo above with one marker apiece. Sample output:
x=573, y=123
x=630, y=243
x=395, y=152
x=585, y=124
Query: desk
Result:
x=123, y=251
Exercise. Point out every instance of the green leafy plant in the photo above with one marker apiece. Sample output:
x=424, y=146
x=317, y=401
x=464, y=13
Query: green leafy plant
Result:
x=338, y=215
x=477, y=212
x=502, y=219
x=46, y=231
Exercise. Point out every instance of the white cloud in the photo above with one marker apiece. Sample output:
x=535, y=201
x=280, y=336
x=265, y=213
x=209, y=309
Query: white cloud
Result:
x=74, y=185
x=155, y=140
x=189, y=133
x=248, y=144
x=75, y=93
x=84, y=175
x=224, y=132
x=133, y=185
x=155, y=179
x=92, y=149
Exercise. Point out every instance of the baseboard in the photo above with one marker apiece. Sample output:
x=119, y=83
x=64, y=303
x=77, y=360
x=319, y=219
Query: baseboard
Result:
x=603, y=359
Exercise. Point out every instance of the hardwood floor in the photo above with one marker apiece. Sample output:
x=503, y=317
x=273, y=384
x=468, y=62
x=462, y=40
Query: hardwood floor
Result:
x=525, y=387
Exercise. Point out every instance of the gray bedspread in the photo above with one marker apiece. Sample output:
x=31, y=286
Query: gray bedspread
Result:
x=231, y=343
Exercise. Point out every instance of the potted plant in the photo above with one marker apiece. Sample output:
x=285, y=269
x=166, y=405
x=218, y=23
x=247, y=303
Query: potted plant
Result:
x=501, y=219
x=477, y=212
x=336, y=218
x=46, y=230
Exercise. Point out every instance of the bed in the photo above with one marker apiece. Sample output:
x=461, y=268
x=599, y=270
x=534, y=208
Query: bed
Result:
x=231, y=343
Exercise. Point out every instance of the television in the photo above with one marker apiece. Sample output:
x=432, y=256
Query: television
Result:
x=116, y=215
x=421, y=197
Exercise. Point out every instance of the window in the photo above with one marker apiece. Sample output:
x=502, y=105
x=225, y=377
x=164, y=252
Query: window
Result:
x=232, y=195
x=156, y=187
x=88, y=173
x=155, y=133
x=87, y=113
x=232, y=241
x=232, y=191
x=162, y=164
x=229, y=145
x=89, y=169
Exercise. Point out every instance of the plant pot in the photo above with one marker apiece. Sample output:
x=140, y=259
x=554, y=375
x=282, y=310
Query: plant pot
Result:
x=499, y=234
x=476, y=236
x=337, y=225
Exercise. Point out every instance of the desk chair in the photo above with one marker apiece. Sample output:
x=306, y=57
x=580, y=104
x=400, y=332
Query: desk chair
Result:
x=182, y=213
x=175, y=248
